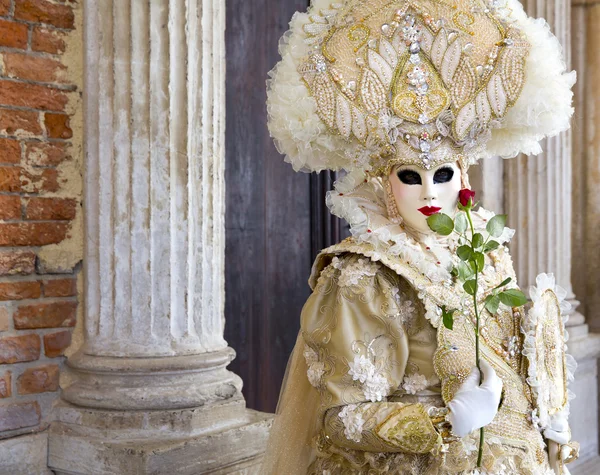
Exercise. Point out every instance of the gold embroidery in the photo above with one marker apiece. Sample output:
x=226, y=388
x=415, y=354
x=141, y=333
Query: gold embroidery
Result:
x=411, y=429
x=464, y=20
x=475, y=73
x=359, y=34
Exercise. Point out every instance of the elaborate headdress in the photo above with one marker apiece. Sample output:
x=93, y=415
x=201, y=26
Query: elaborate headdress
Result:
x=367, y=84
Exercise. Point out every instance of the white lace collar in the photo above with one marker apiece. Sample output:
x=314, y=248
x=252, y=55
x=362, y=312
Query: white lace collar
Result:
x=361, y=202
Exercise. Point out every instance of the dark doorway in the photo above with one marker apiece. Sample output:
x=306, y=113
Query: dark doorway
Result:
x=277, y=220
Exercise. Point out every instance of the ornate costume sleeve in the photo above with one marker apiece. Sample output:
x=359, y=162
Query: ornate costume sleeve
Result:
x=356, y=352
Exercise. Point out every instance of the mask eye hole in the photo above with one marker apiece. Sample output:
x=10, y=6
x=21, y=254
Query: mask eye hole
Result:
x=409, y=177
x=443, y=175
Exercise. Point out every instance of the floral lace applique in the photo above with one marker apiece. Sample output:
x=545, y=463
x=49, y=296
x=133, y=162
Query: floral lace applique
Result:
x=413, y=383
x=329, y=271
x=353, y=422
x=375, y=386
x=352, y=273
x=407, y=312
x=316, y=368
x=469, y=445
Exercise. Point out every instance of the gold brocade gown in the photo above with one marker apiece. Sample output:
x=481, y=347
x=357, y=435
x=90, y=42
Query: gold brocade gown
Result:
x=379, y=358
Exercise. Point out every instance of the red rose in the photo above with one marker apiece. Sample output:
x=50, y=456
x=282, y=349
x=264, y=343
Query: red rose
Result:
x=466, y=197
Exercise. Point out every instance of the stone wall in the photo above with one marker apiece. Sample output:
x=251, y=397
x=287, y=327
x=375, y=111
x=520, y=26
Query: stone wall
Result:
x=40, y=204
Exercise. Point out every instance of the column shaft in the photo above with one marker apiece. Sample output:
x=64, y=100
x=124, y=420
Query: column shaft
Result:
x=154, y=207
x=154, y=179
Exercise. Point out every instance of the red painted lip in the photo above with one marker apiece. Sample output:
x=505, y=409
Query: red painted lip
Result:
x=430, y=210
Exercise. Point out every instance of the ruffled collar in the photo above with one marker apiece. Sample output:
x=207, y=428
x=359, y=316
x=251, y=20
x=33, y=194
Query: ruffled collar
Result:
x=361, y=202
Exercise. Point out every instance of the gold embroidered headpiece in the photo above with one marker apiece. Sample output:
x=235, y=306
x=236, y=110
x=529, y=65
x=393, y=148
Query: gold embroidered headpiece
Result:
x=413, y=82
x=364, y=85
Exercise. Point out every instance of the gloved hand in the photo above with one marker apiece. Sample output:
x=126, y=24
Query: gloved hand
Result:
x=558, y=435
x=474, y=405
x=559, y=431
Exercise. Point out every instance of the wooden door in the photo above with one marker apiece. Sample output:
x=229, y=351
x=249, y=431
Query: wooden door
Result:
x=276, y=219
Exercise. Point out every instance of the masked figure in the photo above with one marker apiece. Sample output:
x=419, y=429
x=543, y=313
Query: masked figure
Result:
x=404, y=96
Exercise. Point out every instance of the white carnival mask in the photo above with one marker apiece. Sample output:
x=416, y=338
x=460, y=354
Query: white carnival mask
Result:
x=420, y=193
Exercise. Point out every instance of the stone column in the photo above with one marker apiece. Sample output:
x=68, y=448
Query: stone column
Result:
x=539, y=202
x=150, y=380
x=586, y=24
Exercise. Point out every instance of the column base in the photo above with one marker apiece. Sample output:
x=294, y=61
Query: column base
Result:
x=219, y=438
x=585, y=348
x=175, y=382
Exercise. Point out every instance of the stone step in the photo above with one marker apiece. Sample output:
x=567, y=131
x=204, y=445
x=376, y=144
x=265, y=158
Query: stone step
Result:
x=237, y=449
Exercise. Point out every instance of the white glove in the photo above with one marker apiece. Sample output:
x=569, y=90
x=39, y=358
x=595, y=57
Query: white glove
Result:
x=559, y=434
x=559, y=431
x=475, y=406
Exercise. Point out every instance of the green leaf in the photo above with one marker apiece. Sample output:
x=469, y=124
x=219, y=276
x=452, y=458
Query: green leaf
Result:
x=460, y=223
x=479, y=261
x=492, y=303
x=513, y=298
x=496, y=225
x=470, y=287
x=477, y=241
x=464, y=271
x=506, y=282
x=491, y=246
x=448, y=317
x=465, y=253
x=441, y=223
x=454, y=272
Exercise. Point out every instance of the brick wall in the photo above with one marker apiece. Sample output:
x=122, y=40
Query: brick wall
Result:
x=40, y=203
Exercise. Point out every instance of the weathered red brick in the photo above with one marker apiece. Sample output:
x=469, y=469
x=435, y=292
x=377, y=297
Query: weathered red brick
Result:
x=45, y=315
x=32, y=234
x=4, y=7
x=36, y=182
x=34, y=68
x=20, y=290
x=60, y=288
x=5, y=386
x=41, y=11
x=58, y=126
x=12, y=34
x=18, y=349
x=19, y=416
x=47, y=209
x=17, y=262
x=10, y=179
x=10, y=151
x=42, y=379
x=47, y=40
x=4, y=319
x=10, y=207
x=55, y=344
x=20, y=94
x=44, y=154
x=19, y=123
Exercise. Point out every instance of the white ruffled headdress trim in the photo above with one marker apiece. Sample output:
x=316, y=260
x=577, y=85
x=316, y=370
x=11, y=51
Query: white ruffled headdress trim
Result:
x=545, y=106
